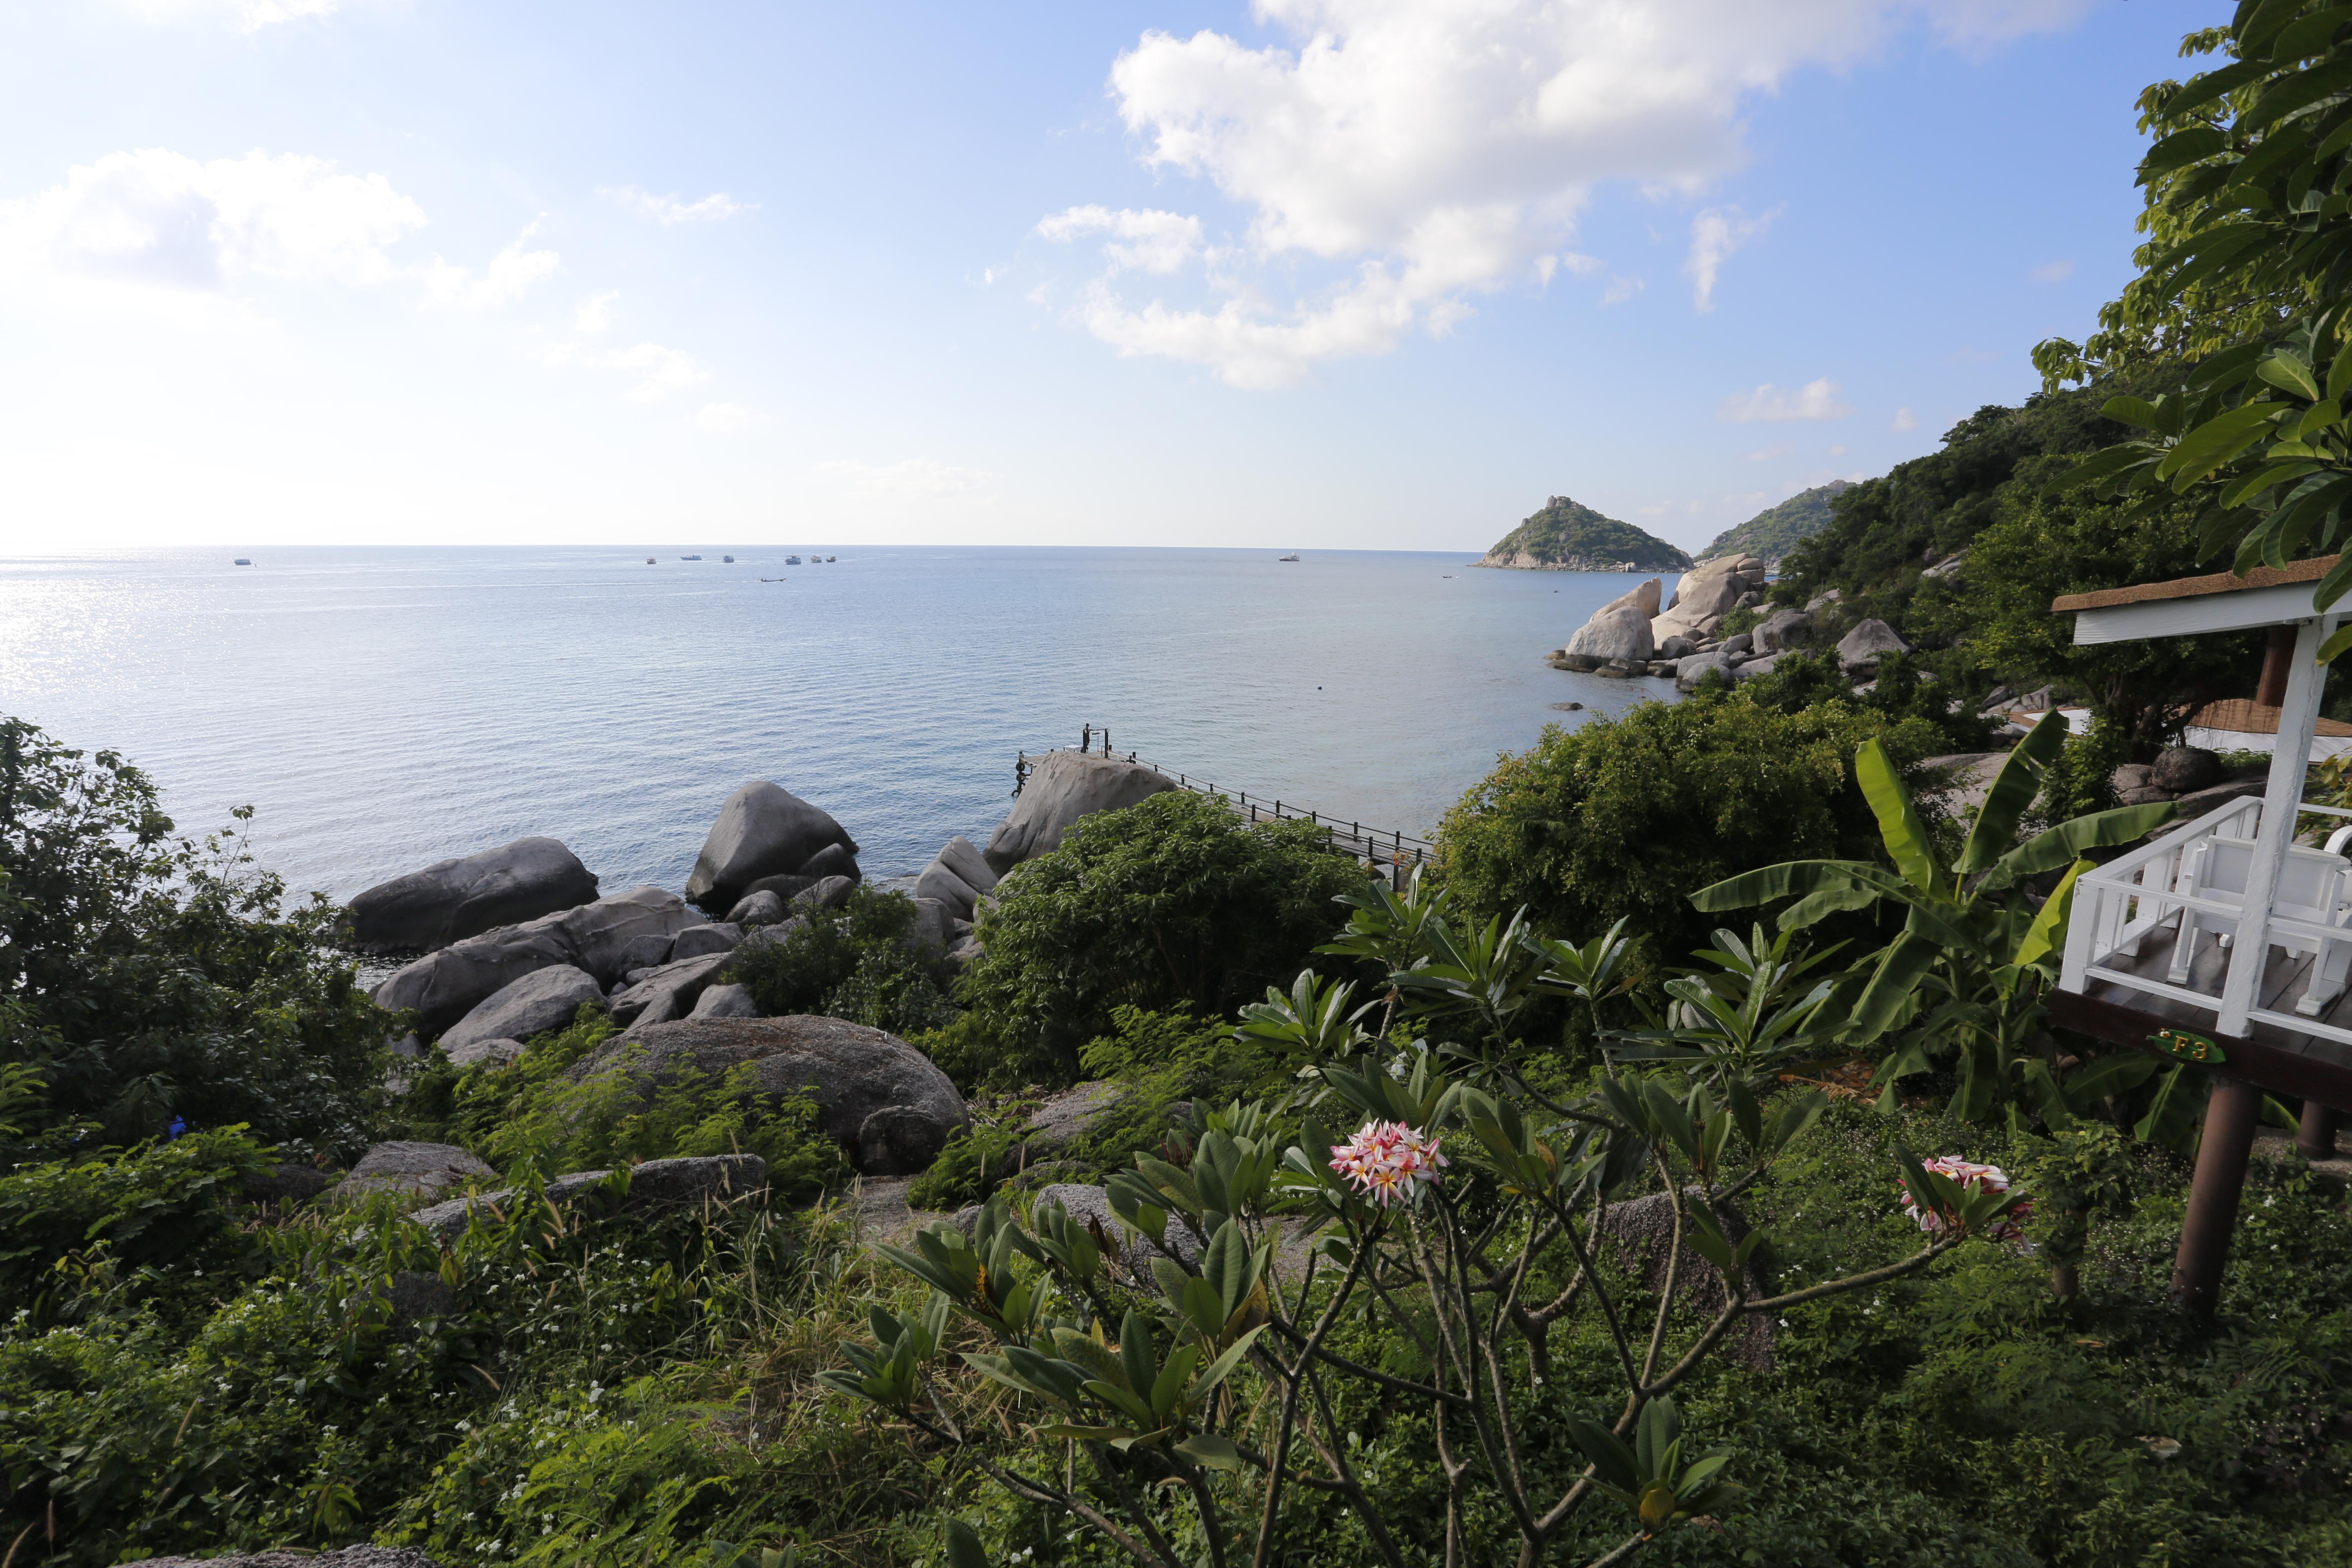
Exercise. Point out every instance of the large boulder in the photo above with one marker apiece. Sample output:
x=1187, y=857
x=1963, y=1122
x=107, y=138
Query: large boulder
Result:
x=2185, y=770
x=939, y=882
x=542, y=1000
x=1707, y=593
x=760, y=909
x=1644, y=1232
x=1062, y=787
x=832, y=860
x=726, y=1002
x=874, y=1093
x=452, y=899
x=762, y=830
x=825, y=893
x=1783, y=629
x=422, y=1170
x=698, y=941
x=962, y=856
x=1619, y=636
x=655, y=1188
x=1859, y=651
x=601, y=937
x=1688, y=671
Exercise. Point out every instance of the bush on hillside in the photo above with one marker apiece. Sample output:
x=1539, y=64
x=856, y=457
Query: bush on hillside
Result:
x=1622, y=818
x=1905, y=691
x=862, y=962
x=1172, y=904
x=148, y=981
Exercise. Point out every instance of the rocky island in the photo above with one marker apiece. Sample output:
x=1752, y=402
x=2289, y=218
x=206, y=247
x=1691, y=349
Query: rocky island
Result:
x=1567, y=537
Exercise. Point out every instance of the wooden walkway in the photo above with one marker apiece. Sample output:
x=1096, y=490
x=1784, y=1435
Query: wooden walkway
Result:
x=1399, y=851
x=2286, y=975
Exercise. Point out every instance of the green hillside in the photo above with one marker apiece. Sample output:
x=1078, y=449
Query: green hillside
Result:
x=1774, y=532
x=1567, y=537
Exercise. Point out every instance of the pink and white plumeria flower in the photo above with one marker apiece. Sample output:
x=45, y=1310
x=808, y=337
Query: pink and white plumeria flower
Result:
x=1386, y=1161
x=1972, y=1177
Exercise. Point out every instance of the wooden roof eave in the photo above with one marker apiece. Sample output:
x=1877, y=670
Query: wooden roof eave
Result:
x=2189, y=606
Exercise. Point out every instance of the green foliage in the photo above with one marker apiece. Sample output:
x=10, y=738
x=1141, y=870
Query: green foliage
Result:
x=1170, y=904
x=1577, y=538
x=1906, y=695
x=1774, y=532
x=154, y=1213
x=527, y=1115
x=146, y=980
x=863, y=961
x=1619, y=818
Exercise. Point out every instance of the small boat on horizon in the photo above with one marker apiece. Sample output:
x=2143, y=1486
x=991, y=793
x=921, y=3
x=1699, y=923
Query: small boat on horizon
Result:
x=242, y=560
x=1285, y=558
x=727, y=559
x=833, y=558
x=650, y=559
x=689, y=558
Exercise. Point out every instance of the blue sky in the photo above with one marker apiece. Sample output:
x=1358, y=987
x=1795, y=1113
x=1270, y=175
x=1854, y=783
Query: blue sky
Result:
x=1323, y=273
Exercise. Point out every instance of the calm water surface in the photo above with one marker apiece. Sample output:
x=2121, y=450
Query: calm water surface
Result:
x=387, y=708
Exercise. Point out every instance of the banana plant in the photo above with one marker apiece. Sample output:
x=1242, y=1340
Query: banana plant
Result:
x=1968, y=968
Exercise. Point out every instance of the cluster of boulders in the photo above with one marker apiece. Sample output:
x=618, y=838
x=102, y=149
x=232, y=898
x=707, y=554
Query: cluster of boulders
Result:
x=1632, y=636
x=2194, y=778
x=516, y=940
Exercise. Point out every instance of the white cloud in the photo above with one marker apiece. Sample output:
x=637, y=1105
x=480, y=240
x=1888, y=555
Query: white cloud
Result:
x=1837, y=451
x=1770, y=405
x=1768, y=454
x=1154, y=241
x=2054, y=272
x=1715, y=235
x=914, y=476
x=661, y=372
x=596, y=312
x=729, y=418
x=1621, y=289
x=1406, y=158
x=713, y=208
x=1904, y=420
x=507, y=279
x=159, y=219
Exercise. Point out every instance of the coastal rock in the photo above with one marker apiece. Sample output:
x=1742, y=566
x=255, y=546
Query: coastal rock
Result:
x=671, y=991
x=1688, y=671
x=1070, y=1115
x=2184, y=770
x=832, y=860
x=826, y=893
x=1616, y=635
x=853, y=1073
x=1707, y=593
x=1823, y=600
x=1064, y=786
x=1782, y=629
x=1859, y=651
x=542, y=1000
x=1755, y=668
x=2144, y=794
x=762, y=830
x=1643, y=1232
x=655, y=1186
x=935, y=924
x=964, y=858
x=1676, y=647
x=937, y=882
x=452, y=899
x=1743, y=642
x=965, y=952
x=643, y=952
x=497, y=1052
x=426, y=1170
x=700, y=942
x=597, y=935
x=760, y=909
x=726, y=1002
x=2130, y=775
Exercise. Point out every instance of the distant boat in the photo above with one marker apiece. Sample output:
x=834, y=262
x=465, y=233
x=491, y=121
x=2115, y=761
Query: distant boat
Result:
x=650, y=559
x=792, y=560
x=689, y=558
x=727, y=560
x=243, y=561
x=1445, y=577
x=833, y=558
x=1285, y=558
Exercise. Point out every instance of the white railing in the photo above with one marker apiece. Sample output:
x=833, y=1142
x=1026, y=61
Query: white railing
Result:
x=2137, y=922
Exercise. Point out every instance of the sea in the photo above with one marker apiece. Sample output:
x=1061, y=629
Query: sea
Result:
x=382, y=708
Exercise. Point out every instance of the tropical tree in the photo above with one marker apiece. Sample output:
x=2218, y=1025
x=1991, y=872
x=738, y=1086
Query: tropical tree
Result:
x=1976, y=954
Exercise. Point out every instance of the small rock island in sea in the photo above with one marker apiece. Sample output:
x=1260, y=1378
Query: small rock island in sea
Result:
x=1567, y=537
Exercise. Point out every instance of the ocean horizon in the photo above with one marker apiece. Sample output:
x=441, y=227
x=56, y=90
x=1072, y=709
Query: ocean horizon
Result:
x=386, y=707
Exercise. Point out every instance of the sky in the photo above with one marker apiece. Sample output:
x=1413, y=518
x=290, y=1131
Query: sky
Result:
x=1362, y=274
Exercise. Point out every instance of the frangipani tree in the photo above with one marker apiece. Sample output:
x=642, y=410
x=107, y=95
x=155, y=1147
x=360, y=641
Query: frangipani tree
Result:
x=1976, y=952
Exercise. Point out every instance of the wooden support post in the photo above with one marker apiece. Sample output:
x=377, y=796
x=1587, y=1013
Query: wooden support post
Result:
x=2277, y=660
x=2222, y=1152
x=2314, y=1137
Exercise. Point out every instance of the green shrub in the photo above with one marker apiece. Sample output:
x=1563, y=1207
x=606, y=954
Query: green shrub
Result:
x=154, y=1212
x=1173, y=903
x=862, y=962
x=147, y=980
x=1622, y=818
x=527, y=1116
